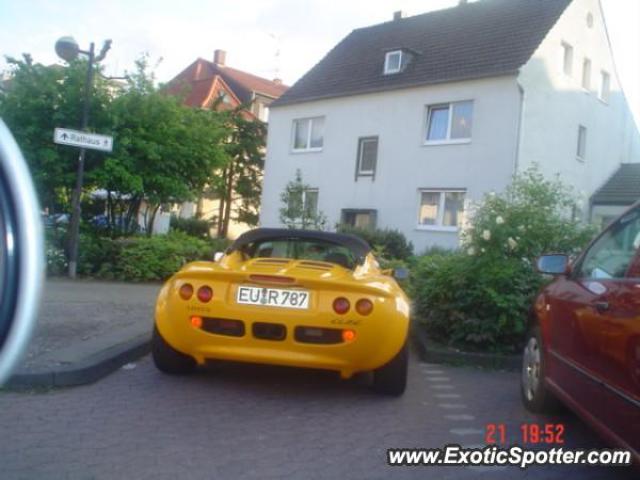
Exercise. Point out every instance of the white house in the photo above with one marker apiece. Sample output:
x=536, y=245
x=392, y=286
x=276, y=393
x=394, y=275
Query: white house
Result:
x=402, y=124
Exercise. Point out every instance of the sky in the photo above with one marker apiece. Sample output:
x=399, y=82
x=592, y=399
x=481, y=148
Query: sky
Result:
x=270, y=38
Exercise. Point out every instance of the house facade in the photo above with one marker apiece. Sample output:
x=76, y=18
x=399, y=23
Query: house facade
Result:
x=213, y=84
x=404, y=124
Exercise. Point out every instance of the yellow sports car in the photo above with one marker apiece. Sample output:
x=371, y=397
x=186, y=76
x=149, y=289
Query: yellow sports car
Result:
x=287, y=297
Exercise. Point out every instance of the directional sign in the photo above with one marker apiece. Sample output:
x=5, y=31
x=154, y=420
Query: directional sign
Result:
x=75, y=138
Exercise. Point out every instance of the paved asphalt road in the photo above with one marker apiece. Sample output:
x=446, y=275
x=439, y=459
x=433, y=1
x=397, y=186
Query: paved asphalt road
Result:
x=244, y=421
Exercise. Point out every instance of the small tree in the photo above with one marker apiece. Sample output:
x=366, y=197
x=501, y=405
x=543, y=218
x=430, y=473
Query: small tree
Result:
x=300, y=208
x=165, y=152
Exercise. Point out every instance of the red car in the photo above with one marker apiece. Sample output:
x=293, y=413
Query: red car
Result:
x=583, y=345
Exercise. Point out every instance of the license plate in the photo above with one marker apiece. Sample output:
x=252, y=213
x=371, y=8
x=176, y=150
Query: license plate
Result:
x=273, y=297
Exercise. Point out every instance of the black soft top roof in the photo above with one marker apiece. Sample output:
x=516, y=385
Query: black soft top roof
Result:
x=356, y=245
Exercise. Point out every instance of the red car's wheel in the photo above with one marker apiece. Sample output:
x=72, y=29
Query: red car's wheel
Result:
x=167, y=359
x=535, y=395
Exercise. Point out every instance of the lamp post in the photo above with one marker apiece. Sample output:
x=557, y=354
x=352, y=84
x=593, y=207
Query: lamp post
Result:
x=67, y=49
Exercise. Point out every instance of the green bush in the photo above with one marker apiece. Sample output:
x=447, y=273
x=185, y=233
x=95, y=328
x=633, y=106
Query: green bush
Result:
x=158, y=257
x=533, y=216
x=479, y=298
x=138, y=258
x=194, y=227
x=97, y=254
x=389, y=244
x=474, y=302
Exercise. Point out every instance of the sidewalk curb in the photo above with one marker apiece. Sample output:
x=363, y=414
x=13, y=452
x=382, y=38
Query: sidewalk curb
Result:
x=87, y=370
x=433, y=352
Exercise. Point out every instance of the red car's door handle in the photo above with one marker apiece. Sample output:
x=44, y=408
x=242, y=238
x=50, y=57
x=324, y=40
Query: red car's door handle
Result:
x=601, y=307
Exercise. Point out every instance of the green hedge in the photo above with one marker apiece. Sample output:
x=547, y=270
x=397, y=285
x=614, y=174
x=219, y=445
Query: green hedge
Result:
x=474, y=302
x=139, y=258
x=191, y=226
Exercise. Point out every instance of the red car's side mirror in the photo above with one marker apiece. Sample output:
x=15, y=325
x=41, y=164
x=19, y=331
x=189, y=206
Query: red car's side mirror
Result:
x=554, y=264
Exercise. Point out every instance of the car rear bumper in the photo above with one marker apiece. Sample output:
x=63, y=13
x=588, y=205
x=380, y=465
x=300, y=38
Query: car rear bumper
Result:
x=378, y=338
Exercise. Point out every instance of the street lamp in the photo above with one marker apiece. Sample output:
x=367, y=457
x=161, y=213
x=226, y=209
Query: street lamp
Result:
x=68, y=50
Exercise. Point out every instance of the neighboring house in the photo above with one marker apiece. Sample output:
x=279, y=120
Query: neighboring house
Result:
x=402, y=124
x=619, y=192
x=206, y=84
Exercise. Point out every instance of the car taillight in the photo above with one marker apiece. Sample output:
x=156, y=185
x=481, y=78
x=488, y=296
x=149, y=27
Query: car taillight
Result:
x=341, y=305
x=364, y=306
x=205, y=294
x=186, y=291
x=348, y=335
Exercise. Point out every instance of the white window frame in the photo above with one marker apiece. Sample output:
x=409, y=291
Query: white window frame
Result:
x=604, y=98
x=567, y=48
x=387, y=70
x=293, y=135
x=438, y=227
x=304, y=198
x=361, y=142
x=581, y=158
x=448, y=140
x=586, y=61
x=304, y=193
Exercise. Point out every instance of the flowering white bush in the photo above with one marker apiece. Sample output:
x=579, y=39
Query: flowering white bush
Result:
x=56, y=260
x=531, y=217
x=479, y=298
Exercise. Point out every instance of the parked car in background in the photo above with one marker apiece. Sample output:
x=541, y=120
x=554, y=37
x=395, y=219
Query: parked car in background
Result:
x=287, y=297
x=55, y=220
x=583, y=345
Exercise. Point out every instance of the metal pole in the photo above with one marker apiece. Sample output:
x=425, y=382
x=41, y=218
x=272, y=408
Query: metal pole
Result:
x=74, y=226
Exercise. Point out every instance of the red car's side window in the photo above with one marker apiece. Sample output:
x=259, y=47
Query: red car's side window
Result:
x=615, y=254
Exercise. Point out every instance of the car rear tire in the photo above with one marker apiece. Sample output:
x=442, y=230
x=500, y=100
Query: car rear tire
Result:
x=536, y=397
x=391, y=378
x=167, y=359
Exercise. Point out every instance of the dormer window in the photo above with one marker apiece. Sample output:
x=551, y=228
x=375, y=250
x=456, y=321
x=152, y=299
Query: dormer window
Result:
x=393, y=62
x=224, y=96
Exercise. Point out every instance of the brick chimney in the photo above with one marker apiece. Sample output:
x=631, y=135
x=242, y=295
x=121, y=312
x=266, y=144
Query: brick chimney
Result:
x=219, y=57
x=398, y=15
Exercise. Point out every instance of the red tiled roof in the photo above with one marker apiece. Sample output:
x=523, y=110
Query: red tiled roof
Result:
x=196, y=91
x=241, y=84
x=255, y=83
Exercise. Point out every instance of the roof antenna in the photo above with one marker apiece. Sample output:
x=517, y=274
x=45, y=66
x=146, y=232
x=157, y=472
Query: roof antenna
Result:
x=276, y=70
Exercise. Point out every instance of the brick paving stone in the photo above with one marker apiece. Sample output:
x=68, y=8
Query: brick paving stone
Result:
x=257, y=422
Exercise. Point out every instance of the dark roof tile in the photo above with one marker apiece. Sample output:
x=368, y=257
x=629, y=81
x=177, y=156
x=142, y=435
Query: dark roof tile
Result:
x=623, y=188
x=475, y=40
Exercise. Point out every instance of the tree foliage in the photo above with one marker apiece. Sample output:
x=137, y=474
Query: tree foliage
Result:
x=164, y=152
x=38, y=99
x=241, y=178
